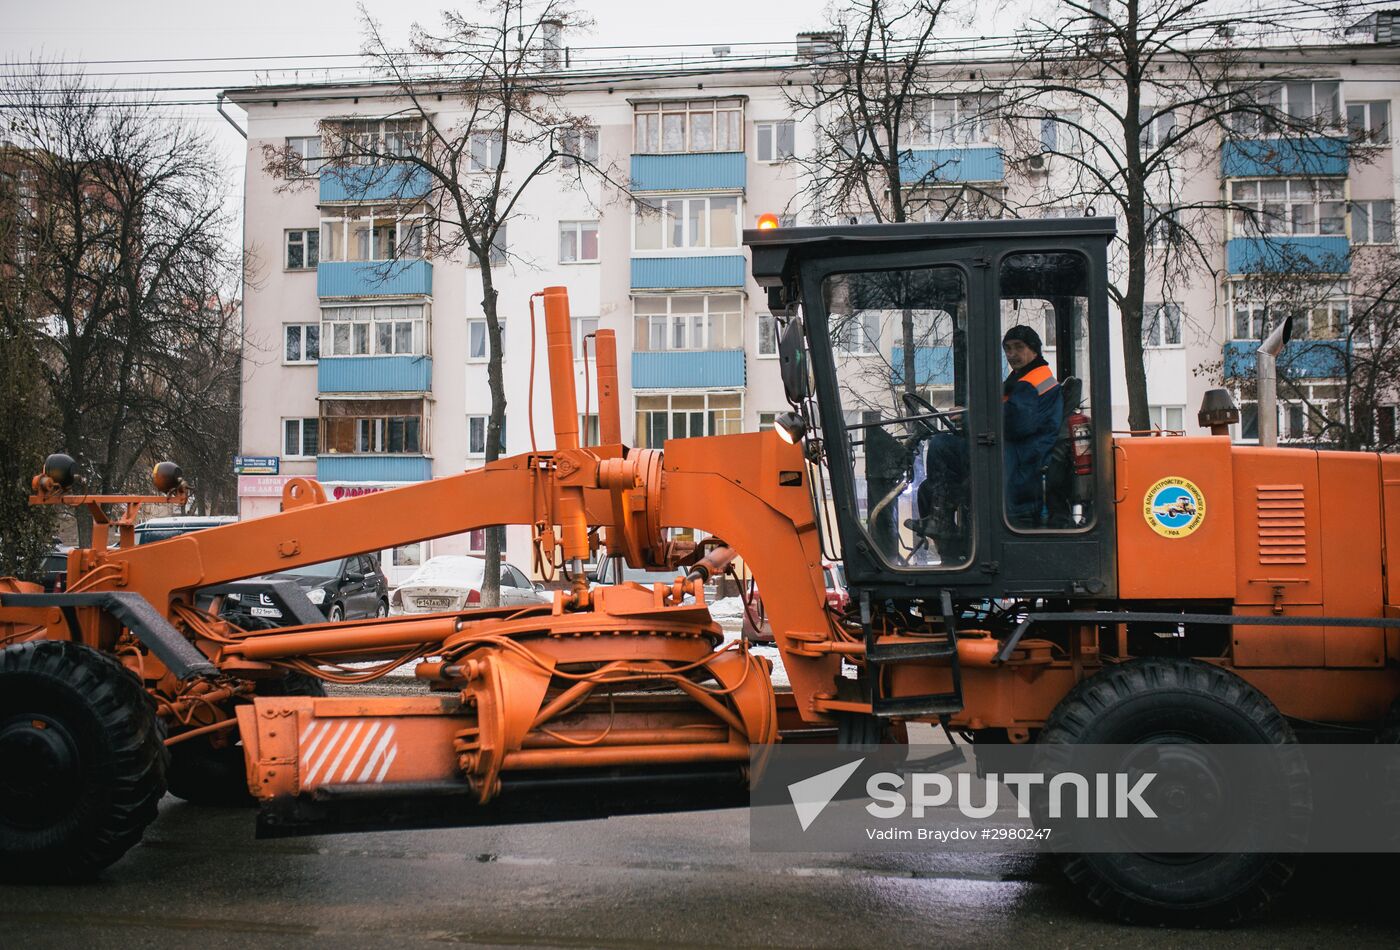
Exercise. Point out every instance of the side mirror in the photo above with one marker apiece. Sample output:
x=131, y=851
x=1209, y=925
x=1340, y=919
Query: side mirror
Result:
x=792, y=362
x=354, y=576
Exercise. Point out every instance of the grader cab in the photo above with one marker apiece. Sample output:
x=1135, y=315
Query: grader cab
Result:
x=1087, y=589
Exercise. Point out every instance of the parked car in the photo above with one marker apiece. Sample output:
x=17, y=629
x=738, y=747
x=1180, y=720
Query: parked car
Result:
x=453, y=582
x=162, y=529
x=54, y=573
x=608, y=573
x=837, y=598
x=348, y=588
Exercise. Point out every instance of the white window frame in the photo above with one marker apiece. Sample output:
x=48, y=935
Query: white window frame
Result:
x=1153, y=132
x=301, y=422
x=1330, y=307
x=688, y=109
x=1248, y=217
x=500, y=248
x=409, y=229
x=484, y=152
x=941, y=121
x=769, y=136
x=577, y=229
x=1363, y=124
x=306, y=235
x=309, y=166
x=580, y=327
x=1063, y=133
x=1363, y=219
x=1160, y=418
x=481, y=421
x=766, y=346
x=663, y=207
x=682, y=326
x=768, y=419
x=301, y=344
x=479, y=323
x=579, y=144
x=372, y=315
x=860, y=342
x=1152, y=322
x=732, y=414
x=1280, y=96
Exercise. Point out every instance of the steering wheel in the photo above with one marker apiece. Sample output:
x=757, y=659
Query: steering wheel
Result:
x=919, y=406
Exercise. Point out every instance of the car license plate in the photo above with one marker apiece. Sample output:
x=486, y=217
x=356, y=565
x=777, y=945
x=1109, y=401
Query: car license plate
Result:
x=265, y=612
x=433, y=602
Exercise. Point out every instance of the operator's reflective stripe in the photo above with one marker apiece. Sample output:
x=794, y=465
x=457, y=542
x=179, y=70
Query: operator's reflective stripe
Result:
x=1041, y=378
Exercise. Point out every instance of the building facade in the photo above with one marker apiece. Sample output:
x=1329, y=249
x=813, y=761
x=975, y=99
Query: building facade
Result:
x=365, y=361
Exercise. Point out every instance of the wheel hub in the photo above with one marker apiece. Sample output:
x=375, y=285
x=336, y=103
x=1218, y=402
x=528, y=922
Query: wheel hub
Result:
x=41, y=779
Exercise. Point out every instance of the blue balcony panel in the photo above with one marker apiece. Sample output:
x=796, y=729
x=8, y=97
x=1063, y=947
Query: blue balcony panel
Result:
x=678, y=273
x=1285, y=254
x=1267, y=158
x=373, y=468
x=374, y=183
x=933, y=366
x=707, y=171
x=1300, y=359
x=375, y=374
x=688, y=369
x=374, y=278
x=929, y=165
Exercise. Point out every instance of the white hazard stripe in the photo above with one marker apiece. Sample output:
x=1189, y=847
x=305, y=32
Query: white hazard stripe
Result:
x=329, y=754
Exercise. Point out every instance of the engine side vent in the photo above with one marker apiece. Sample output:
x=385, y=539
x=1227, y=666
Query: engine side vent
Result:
x=1283, y=534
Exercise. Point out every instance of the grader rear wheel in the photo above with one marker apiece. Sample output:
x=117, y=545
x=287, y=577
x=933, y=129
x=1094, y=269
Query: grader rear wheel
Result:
x=215, y=776
x=82, y=761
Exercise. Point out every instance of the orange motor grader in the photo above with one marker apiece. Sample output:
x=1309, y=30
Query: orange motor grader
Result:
x=1122, y=590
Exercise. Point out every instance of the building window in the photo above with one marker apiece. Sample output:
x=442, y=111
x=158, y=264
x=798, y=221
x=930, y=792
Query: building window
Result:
x=687, y=322
x=578, y=242
x=299, y=438
x=1166, y=230
x=374, y=435
x=1161, y=324
x=581, y=327
x=1319, y=313
x=1373, y=222
x=1274, y=107
x=1155, y=130
x=476, y=436
x=684, y=416
x=301, y=342
x=1167, y=418
x=588, y=428
x=374, y=331
x=408, y=555
x=957, y=202
x=1062, y=134
x=374, y=141
x=304, y=156
x=767, y=335
x=498, y=252
x=371, y=235
x=857, y=334
x=664, y=224
x=303, y=249
x=767, y=421
x=579, y=146
x=697, y=125
x=476, y=541
x=775, y=140
x=953, y=120
x=1287, y=206
x=1385, y=425
x=1369, y=121
x=486, y=148
x=478, y=341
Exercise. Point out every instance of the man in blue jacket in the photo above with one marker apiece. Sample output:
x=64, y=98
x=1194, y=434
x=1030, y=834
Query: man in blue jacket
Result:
x=1031, y=415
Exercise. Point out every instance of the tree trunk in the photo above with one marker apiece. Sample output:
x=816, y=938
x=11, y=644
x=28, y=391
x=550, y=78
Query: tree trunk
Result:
x=491, y=582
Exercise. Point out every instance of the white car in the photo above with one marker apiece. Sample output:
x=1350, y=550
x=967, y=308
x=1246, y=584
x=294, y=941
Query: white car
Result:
x=453, y=582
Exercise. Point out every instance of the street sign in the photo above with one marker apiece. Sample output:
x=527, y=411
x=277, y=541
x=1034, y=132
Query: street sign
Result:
x=255, y=464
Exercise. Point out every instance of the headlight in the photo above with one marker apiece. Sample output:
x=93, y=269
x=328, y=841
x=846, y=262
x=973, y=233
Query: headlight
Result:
x=317, y=595
x=236, y=598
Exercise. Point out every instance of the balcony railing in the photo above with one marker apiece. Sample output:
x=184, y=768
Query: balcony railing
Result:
x=1307, y=359
x=933, y=366
x=374, y=278
x=674, y=273
x=952, y=164
x=1288, y=254
x=713, y=171
x=1311, y=156
x=688, y=369
x=373, y=183
x=375, y=374
x=373, y=468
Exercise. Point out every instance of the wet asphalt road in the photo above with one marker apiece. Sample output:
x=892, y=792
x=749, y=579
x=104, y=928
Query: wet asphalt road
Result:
x=200, y=879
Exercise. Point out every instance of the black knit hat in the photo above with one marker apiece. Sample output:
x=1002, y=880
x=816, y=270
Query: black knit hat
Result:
x=1025, y=334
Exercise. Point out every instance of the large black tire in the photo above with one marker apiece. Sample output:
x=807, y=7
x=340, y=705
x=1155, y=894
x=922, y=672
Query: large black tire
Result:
x=1169, y=700
x=203, y=774
x=82, y=761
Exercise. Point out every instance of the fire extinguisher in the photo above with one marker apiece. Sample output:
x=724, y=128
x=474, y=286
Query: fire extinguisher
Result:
x=1081, y=440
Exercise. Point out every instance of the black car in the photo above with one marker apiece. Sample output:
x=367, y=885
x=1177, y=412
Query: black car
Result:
x=349, y=588
x=54, y=573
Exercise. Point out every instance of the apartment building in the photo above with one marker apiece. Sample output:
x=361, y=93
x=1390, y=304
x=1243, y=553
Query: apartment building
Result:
x=368, y=375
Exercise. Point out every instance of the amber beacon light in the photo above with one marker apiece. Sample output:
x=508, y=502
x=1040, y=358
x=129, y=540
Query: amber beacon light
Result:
x=768, y=222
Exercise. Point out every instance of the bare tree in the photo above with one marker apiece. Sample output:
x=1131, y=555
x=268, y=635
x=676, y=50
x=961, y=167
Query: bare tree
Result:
x=127, y=261
x=1120, y=99
x=475, y=123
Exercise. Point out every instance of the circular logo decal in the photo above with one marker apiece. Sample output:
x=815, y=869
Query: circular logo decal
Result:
x=1174, y=507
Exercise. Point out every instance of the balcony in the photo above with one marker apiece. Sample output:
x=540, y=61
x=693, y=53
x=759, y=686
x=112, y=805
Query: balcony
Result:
x=374, y=278
x=933, y=366
x=1286, y=254
x=1300, y=359
x=929, y=165
x=1314, y=156
x=712, y=171
x=688, y=369
x=374, y=374
x=678, y=273
x=373, y=468
x=360, y=183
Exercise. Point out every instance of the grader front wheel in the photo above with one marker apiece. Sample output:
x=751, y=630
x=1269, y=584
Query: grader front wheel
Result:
x=82, y=761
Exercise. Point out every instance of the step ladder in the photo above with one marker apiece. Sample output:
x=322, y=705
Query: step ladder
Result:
x=879, y=652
